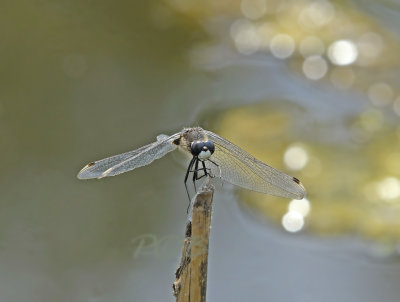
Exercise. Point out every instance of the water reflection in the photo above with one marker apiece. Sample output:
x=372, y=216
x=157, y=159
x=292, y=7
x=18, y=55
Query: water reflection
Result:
x=345, y=182
x=320, y=39
x=328, y=42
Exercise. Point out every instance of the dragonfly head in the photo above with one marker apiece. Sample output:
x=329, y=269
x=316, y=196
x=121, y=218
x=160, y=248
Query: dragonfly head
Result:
x=203, y=150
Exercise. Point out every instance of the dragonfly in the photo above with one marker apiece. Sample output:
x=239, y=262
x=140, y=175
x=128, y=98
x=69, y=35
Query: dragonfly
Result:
x=211, y=155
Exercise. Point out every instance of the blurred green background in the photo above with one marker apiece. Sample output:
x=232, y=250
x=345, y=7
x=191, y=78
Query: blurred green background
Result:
x=310, y=87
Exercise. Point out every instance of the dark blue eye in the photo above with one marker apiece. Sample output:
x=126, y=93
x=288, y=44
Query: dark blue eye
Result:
x=196, y=148
x=210, y=146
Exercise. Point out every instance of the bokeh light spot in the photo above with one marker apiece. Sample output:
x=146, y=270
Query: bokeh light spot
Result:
x=253, y=9
x=316, y=14
x=245, y=36
x=301, y=206
x=293, y=221
x=315, y=67
x=295, y=158
x=370, y=44
x=282, y=46
x=389, y=189
x=342, y=52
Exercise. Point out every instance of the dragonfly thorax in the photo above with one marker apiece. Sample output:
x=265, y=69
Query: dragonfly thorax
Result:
x=202, y=150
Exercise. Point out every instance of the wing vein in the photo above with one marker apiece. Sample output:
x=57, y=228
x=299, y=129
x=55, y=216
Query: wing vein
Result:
x=242, y=169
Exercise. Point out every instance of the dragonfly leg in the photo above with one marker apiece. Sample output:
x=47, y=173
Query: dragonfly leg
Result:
x=205, y=170
x=215, y=164
x=201, y=169
x=196, y=169
x=187, y=175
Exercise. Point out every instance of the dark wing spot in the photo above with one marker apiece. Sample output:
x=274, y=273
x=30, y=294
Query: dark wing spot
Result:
x=296, y=180
x=91, y=164
x=177, y=141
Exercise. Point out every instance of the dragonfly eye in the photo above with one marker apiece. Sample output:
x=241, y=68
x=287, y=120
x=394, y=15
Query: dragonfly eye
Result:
x=210, y=146
x=196, y=148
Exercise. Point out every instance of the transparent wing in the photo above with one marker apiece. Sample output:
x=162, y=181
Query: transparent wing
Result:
x=238, y=167
x=124, y=162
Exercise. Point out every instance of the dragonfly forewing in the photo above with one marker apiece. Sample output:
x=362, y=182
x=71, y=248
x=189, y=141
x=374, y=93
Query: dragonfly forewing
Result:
x=240, y=168
x=124, y=162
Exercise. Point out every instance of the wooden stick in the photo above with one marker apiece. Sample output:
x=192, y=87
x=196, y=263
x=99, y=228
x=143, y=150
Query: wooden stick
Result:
x=191, y=275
